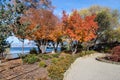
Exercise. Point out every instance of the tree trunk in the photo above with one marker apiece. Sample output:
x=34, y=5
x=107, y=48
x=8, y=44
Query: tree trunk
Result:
x=1, y=55
x=74, y=47
x=23, y=46
x=39, y=50
x=55, y=47
x=95, y=41
x=87, y=48
x=43, y=48
x=53, y=51
x=42, y=45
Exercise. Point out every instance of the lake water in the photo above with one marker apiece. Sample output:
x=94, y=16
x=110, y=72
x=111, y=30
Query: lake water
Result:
x=17, y=50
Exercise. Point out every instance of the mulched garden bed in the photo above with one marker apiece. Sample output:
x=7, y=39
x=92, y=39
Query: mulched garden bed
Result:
x=105, y=59
x=15, y=70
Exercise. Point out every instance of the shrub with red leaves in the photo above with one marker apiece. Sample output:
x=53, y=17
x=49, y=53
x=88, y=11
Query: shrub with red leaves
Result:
x=116, y=54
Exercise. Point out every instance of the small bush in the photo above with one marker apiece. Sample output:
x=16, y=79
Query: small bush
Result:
x=30, y=59
x=55, y=55
x=107, y=50
x=45, y=56
x=33, y=51
x=115, y=54
x=40, y=55
x=57, y=70
x=54, y=60
x=90, y=52
x=42, y=64
x=83, y=53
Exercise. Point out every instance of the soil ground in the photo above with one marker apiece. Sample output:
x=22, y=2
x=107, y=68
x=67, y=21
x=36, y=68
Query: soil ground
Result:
x=15, y=70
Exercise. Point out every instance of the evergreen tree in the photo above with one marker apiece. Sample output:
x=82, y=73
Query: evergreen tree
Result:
x=5, y=21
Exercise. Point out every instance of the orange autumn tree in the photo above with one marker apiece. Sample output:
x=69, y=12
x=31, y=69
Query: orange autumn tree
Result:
x=22, y=7
x=56, y=37
x=79, y=29
x=43, y=24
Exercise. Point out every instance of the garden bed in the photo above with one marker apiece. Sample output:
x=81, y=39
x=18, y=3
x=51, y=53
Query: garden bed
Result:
x=15, y=70
x=39, y=66
x=104, y=59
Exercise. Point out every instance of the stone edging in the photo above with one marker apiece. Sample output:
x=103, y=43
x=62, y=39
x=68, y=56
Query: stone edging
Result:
x=107, y=61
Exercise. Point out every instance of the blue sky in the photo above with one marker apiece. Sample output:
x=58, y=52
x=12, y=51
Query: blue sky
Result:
x=69, y=5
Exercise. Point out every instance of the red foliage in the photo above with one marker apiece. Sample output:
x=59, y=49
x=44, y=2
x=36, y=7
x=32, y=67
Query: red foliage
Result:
x=116, y=54
x=78, y=28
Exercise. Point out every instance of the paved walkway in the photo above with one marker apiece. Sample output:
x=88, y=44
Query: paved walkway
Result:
x=88, y=68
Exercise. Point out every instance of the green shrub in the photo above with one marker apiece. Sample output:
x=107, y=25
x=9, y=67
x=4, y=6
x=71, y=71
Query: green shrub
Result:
x=33, y=51
x=30, y=59
x=55, y=55
x=54, y=60
x=107, y=50
x=44, y=56
x=57, y=70
x=40, y=55
x=83, y=53
x=42, y=64
x=90, y=52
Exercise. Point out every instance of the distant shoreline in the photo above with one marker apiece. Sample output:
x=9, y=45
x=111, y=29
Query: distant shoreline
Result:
x=21, y=46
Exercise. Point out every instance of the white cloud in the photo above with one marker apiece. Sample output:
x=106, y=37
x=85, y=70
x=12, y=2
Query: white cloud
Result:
x=16, y=42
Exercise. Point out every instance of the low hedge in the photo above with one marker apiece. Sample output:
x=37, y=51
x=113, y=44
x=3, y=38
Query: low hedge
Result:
x=30, y=59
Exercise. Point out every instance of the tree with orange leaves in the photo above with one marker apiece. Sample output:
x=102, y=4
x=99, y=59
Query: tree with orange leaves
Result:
x=43, y=25
x=79, y=29
x=22, y=29
x=56, y=37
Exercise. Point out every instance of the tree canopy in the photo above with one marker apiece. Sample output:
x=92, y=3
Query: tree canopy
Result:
x=5, y=22
x=108, y=19
x=79, y=29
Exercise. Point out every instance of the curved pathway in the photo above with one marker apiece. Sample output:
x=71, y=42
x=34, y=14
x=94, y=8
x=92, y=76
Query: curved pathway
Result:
x=87, y=68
